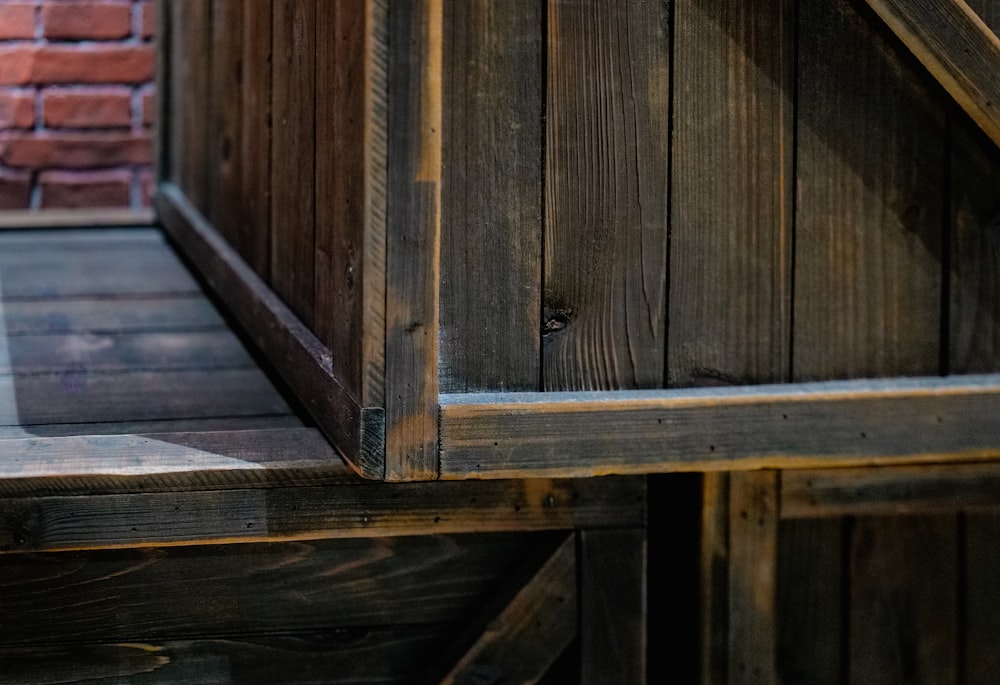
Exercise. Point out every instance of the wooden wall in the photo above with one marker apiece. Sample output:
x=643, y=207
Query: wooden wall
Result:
x=641, y=195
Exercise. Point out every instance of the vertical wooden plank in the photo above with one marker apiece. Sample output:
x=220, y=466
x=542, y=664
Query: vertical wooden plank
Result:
x=413, y=238
x=165, y=59
x=253, y=232
x=293, y=102
x=613, y=606
x=194, y=79
x=869, y=221
x=870, y=169
x=491, y=214
x=903, y=599
x=982, y=597
x=713, y=596
x=753, y=565
x=810, y=588
x=178, y=94
x=225, y=116
x=349, y=269
x=607, y=138
x=731, y=210
x=975, y=348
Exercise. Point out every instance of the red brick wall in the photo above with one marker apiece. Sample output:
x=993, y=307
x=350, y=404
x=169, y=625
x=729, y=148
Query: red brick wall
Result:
x=76, y=103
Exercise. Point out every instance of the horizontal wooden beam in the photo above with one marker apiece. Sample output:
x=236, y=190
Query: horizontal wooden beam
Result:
x=957, y=47
x=296, y=353
x=74, y=218
x=810, y=425
x=890, y=490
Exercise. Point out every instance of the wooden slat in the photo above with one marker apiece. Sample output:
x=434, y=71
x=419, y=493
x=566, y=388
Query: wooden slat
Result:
x=903, y=592
x=370, y=655
x=293, y=103
x=732, y=185
x=957, y=47
x=94, y=239
x=981, y=628
x=896, y=490
x=413, y=240
x=870, y=158
x=352, y=508
x=713, y=594
x=56, y=353
x=225, y=193
x=606, y=160
x=166, y=62
x=530, y=633
x=194, y=50
x=350, y=193
x=809, y=599
x=187, y=425
x=293, y=350
x=12, y=219
x=101, y=317
x=231, y=590
x=492, y=196
x=77, y=394
x=252, y=234
x=808, y=425
x=753, y=563
x=613, y=606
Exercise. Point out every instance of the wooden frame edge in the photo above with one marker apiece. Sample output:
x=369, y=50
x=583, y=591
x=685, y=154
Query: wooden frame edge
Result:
x=291, y=348
x=802, y=426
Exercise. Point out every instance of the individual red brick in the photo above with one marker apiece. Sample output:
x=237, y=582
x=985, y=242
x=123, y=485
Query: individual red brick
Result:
x=17, y=20
x=86, y=21
x=148, y=21
x=87, y=108
x=51, y=64
x=148, y=99
x=15, y=189
x=85, y=188
x=74, y=150
x=17, y=109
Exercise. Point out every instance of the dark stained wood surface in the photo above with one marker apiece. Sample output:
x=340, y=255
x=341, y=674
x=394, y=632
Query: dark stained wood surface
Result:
x=981, y=622
x=190, y=314
x=413, y=240
x=293, y=131
x=492, y=196
x=225, y=192
x=731, y=188
x=192, y=46
x=240, y=589
x=375, y=656
x=606, y=167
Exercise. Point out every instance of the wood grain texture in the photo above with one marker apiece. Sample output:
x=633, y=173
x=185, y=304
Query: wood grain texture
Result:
x=16, y=219
x=903, y=600
x=296, y=354
x=613, y=606
x=225, y=193
x=713, y=593
x=530, y=633
x=606, y=162
x=753, y=560
x=252, y=233
x=981, y=622
x=231, y=590
x=957, y=47
x=731, y=189
x=891, y=490
x=194, y=32
x=491, y=214
x=166, y=62
x=293, y=154
x=376, y=656
x=360, y=509
x=350, y=229
x=871, y=158
x=807, y=425
x=413, y=239
x=809, y=598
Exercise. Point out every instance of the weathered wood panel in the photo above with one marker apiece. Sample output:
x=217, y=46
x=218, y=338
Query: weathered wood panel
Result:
x=606, y=167
x=103, y=317
x=225, y=193
x=293, y=155
x=231, y=590
x=413, y=239
x=192, y=50
x=491, y=212
x=731, y=191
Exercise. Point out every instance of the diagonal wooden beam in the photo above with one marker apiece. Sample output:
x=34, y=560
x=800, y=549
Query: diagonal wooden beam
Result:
x=957, y=47
x=528, y=635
